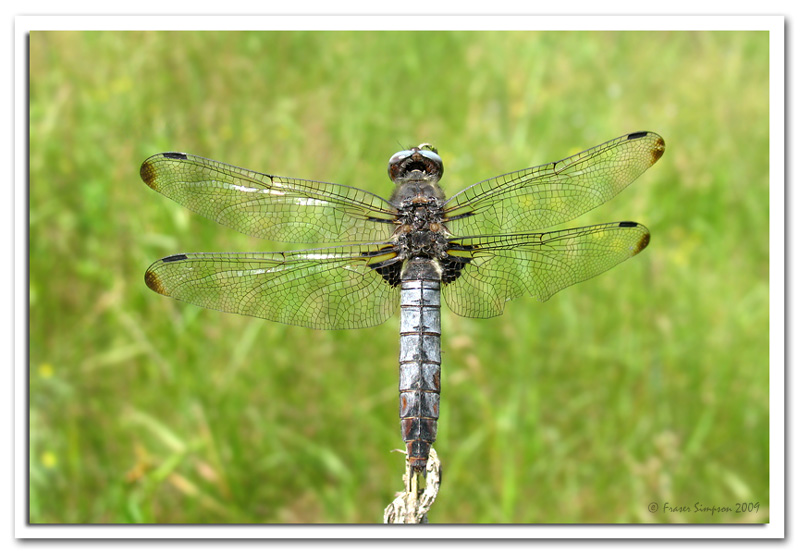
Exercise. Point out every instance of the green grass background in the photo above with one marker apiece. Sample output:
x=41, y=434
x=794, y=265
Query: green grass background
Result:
x=646, y=384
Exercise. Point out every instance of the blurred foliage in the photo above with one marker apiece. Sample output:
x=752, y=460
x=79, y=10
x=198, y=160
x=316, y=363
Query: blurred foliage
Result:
x=647, y=384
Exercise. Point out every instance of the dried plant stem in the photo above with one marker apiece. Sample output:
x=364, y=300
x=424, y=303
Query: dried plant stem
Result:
x=412, y=505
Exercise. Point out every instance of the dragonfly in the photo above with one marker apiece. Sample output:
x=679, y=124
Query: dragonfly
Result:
x=477, y=249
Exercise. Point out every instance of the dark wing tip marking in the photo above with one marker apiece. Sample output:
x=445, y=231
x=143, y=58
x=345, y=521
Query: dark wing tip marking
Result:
x=644, y=240
x=658, y=149
x=642, y=244
x=151, y=278
x=153, y=282
x=148, y=172
x=658, y=145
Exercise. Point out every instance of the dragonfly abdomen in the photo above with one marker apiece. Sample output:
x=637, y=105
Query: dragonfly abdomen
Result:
x=420, y=364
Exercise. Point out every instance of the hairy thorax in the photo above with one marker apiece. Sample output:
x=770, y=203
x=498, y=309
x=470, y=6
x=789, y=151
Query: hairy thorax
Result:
x=420, y=231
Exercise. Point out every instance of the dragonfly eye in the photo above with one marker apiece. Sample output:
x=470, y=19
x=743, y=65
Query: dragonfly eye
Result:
x=422, y=158
x=400, y=156
x=433, y=156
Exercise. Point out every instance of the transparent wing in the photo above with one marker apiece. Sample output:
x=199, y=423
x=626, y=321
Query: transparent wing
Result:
x=326, y=288
x=550, y=194
x=267, y=206
x=497, y=269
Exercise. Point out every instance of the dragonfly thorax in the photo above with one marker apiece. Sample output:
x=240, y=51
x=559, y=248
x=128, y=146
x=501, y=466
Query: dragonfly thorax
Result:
x=420, y=231
x=416, y=188
x=423, y=243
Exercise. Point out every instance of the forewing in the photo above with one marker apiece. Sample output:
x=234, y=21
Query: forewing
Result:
x=270, y=207
x=550, y=194
x=326, y=288
x=500, y=268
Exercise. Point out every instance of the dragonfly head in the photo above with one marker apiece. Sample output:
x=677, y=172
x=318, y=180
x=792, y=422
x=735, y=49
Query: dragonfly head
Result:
x=423, y=159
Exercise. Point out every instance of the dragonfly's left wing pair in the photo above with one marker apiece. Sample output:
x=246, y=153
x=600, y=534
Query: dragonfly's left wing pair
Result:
x=330, y=288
